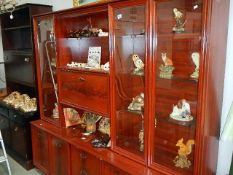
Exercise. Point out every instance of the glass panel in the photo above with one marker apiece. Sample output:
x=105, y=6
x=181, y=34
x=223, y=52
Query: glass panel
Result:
x=46, y=44
x=178, y=28
x=129, y=60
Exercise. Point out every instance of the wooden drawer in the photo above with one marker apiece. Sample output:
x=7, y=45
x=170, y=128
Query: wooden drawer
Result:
x=87, y=90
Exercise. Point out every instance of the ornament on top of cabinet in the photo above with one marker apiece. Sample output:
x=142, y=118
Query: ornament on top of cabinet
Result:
x=94, y=56
x=180, y=21
x=137, y=103
x=167, y=68
x=181, y=160
x=181, y=111
x=196, y=60
x=105, y=66
x=72, y=117
x=138, y=63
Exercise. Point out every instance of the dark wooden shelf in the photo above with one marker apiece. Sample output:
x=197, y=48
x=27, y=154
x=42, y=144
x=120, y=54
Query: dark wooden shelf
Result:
x=17, y=28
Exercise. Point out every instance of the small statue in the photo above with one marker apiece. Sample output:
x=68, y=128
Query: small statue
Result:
x=181, y=159
x=167, y=68
x=196, y=60
x=181, y=111
x=105, y=66
x=137, y=103
x=180, y=21
x=55, y=111
x=138, y=63
x=104, y=126
x=141, y=140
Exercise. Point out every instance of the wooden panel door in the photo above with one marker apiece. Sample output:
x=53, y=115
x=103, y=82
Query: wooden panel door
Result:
x=40, y=149
x=59, y=156
x=108, y=169
x=83, y=163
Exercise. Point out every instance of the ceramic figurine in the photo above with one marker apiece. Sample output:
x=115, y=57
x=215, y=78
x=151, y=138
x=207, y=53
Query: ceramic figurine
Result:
x=180, y=21
x=22, y=102
x=196, y=60
x=138, y=63
x=55, y=111
x=137, y=103
x=101, y=33
x=166, y=68
x=141, y=140
x=105, y=66
x=181, y=160
x=181, y=111
x=104, y=126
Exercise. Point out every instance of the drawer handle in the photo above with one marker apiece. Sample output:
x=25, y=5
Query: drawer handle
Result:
x=27, y=59
x=83, y=172
x=16, y=129
x=83, y=155
x=81, y=79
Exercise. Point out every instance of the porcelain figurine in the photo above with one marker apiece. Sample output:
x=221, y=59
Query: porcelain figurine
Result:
x=55, y=111
x=104, y=126
x=22, y=102
x=166, y=68
x=181, y=160
x=138, y=63
x=196, y=60
x=137, y=103
x=180, y=21
x=105, y=66
x=141, y=140
x=181, y=111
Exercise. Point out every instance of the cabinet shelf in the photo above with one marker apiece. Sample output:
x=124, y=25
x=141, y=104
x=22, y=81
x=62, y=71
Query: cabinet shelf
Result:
x=89, y=38
x=91, y=70
x=17, y=28
x=177, y=36
x=131, y=36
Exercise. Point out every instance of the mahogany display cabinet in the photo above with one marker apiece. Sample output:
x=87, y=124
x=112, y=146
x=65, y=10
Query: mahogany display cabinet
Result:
x=152, y=70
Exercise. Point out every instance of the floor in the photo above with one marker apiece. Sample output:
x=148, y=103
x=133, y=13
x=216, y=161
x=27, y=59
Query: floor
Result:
x=16, y=169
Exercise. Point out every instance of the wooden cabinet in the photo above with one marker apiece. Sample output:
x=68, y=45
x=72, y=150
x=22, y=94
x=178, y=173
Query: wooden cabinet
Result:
x=40, y=141
x=58, y=156
x=84, y=163
x=158, y=92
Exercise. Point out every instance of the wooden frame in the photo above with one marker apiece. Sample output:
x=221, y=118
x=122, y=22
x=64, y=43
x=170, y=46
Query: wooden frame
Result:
x=77, y=3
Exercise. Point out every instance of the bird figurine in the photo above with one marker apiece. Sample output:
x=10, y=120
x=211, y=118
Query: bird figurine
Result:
x=180, y=21
x=138, y=63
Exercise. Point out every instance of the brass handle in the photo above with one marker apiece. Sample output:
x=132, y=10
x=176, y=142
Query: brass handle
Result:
x=83, y=155
x=81, y=79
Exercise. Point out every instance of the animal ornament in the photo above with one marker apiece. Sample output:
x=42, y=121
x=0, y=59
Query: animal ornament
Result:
x=185, y=149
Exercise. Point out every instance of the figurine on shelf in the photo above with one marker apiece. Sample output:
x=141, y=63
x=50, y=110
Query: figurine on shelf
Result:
x=101, y=33
x=105, y=66
x=181, y=111
x=72, y=117
x=22, y=102
x=141, y=140
x=196, y=60
x=180, y=21
x=90, y=120
x=181, y=160
x=55, y=111
x=137, y=103
x=104, y=126
x=166, y=68
x=138, y=63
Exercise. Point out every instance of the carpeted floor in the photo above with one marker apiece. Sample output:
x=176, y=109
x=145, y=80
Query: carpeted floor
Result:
x=16, y=169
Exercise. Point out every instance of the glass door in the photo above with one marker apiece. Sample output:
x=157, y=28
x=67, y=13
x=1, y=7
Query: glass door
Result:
x=129, y=61
x=177, y=53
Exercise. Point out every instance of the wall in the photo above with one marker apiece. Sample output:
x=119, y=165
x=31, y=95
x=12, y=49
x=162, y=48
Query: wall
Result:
x=226, y=148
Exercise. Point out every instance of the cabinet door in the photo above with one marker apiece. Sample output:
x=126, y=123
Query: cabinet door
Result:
x=59, y=157
x=40, y=149
x=128, y=78
x=177, y=58
x=21, y=142
x=108, y=169
x=46, y=68
x=83, y=163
